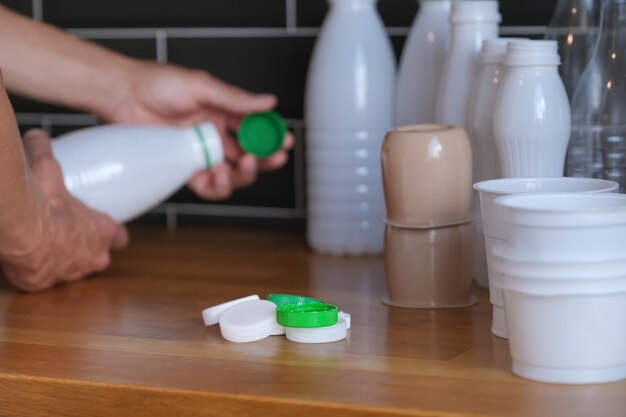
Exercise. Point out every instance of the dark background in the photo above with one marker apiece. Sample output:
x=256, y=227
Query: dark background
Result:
x=261, y=45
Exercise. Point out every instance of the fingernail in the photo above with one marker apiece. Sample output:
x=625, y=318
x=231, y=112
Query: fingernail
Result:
x=222, y=180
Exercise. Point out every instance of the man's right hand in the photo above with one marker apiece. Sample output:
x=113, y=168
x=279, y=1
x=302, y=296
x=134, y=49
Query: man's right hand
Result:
x=66, y=240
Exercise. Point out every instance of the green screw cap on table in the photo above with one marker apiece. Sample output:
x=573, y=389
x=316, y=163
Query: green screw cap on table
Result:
x=262, y=134
x=307, y=315
x=285, y=299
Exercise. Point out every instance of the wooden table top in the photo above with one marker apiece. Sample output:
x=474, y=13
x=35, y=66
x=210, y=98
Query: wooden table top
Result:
x=131, y=342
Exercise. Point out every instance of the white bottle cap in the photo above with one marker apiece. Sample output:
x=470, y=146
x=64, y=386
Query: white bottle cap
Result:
x=212, y=315
x=326, y=334
x=346, y=317
x=250, y=321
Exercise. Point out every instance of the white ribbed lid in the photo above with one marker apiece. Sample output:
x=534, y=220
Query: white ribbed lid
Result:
x=250, y=321
x=212, y=315
x=326, y=334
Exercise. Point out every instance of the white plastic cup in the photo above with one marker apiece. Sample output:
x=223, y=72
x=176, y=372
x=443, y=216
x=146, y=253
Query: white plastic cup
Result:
x=493, y=215
x=565, y=227
x=566, y=320
x=494, y=226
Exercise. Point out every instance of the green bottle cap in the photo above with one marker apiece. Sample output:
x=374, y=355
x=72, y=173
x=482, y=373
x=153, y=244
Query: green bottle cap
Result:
x=307, y=315
x=262, y=134
x=285, y=299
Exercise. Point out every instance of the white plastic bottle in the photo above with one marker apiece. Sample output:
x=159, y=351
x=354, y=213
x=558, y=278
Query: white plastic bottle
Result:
x=532, y=113
x=348, y=109
x=124, y=170
x=472, y=23
x=421, y=64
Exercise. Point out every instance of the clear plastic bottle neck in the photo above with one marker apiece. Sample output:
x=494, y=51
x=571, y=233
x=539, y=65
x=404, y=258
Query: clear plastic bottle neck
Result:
x=612, y=33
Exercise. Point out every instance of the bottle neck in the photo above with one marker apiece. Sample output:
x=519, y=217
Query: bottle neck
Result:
x=532, y=53
x=352, y=4
x=207, y=142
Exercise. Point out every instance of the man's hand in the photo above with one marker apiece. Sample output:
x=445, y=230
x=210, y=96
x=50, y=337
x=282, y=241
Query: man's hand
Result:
x=167, y=94
x=67, y=240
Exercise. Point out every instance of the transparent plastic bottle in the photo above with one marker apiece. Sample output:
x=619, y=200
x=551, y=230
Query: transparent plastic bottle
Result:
x=348, y=109
x=574, y=25
x=421, y=64
x=472, y=23
x=597, y=145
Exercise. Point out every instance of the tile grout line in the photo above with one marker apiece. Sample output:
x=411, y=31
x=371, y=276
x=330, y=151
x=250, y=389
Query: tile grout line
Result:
x=37, y=6
x=202, y=32
x=161, y=45
x=291, y=15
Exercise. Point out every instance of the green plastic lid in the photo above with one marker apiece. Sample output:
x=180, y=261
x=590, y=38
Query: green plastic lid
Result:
x=285, y=299
x=307, y=315
x=262, y=134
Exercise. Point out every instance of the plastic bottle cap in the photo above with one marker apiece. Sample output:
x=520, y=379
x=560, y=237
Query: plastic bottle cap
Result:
x=327, y=334
x=346, y=317
x=262, y=134
x=250, y=321
x=307, y=315
x=285, y=299
x=212, y=315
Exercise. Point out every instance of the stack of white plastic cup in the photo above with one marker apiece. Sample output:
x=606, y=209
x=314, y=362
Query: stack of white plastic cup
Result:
x=494, y=227
x=562, y=269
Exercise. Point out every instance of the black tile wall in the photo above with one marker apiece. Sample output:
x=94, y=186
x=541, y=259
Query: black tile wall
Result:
x=526, y=13
x=272, y=65
x=22, y=6
x=165, y=13
x=402, y=12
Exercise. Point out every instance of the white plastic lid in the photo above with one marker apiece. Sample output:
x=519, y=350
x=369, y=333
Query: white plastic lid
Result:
x=326, y=334
x=211, y=315
x=250, y=321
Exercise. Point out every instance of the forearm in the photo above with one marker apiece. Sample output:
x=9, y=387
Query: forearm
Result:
x=19, y=197
x=44, y=63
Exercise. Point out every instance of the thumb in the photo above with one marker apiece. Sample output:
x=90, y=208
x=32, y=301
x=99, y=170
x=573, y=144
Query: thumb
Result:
x=37, y=145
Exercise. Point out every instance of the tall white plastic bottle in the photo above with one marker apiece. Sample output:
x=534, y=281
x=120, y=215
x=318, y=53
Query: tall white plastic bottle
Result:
x=421, y=64
x=124, y=170
x=531, y=120
x=348, y=109
x=472, y=23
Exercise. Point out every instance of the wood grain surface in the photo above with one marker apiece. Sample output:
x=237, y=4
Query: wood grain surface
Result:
x=131, y=342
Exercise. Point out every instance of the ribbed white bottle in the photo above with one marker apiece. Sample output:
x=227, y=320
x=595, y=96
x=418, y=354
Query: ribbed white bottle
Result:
x=124, y=170
x=348, y=109
x=472, y=23
x=421, y=64
x=532, y=113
